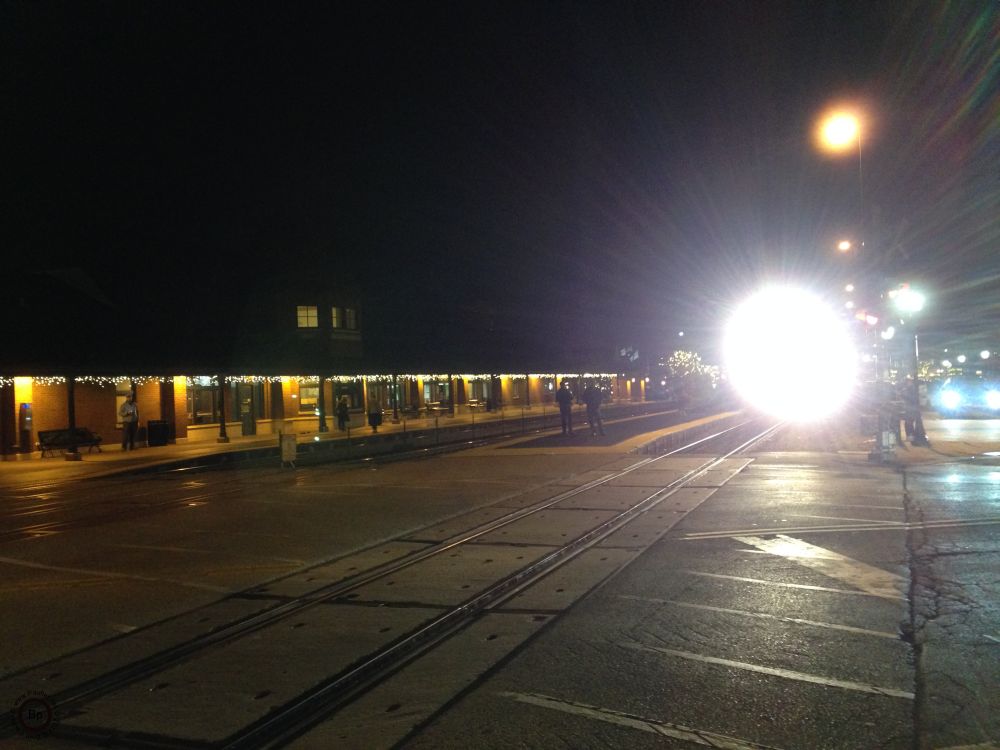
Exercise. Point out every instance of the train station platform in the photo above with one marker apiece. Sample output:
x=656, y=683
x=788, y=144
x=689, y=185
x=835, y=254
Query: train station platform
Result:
x=539, y=423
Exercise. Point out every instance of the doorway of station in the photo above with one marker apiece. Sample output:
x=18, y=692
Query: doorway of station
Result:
x=248, y=399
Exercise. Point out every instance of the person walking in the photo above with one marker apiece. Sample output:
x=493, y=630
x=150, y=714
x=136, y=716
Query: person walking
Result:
x=129, y=414
x=342, y=413
x=564, y=397
x=374, y=413
x=593, y=397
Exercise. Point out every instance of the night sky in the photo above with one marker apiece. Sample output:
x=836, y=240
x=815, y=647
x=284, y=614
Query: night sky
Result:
x=526, y=176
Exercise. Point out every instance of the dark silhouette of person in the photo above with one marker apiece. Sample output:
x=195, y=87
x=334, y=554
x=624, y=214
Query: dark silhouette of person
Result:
x=342, y=413
x=129, y=413
x=593, y=397
x=564, y=397
x=374, y=413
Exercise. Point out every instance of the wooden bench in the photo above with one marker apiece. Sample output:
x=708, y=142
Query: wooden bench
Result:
x=49, y=440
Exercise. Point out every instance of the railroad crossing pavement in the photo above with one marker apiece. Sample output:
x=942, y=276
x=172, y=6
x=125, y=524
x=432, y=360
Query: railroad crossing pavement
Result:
x=815, y=601
x=777, y=615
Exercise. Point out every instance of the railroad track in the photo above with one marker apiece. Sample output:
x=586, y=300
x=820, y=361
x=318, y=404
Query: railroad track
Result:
x=292, y=718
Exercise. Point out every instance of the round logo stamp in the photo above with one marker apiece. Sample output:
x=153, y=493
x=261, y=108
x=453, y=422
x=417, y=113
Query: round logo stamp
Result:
x=34, y=714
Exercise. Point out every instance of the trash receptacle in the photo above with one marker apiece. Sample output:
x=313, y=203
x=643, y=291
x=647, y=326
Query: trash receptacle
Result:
x=157, y=432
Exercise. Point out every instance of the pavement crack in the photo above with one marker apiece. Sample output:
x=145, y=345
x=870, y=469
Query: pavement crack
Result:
x=913, y=630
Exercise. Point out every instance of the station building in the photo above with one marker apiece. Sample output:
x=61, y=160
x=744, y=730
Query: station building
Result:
x=249, y=381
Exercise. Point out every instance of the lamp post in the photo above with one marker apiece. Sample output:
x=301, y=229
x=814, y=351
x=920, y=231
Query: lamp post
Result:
x=910, y=301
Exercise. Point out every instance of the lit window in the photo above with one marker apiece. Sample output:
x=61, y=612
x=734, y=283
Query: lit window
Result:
x=336, y=317
x=351, y=318
x=308, y=397
x=307, y=316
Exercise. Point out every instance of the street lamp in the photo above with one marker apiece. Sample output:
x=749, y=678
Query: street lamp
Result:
x=910, y=302
x=839, y=131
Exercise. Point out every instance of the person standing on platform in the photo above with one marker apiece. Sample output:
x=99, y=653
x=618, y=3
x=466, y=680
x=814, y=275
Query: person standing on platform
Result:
x=593, y=397
x=129, y=414
x=374, y=413
x=342, y=413
x=564, y=397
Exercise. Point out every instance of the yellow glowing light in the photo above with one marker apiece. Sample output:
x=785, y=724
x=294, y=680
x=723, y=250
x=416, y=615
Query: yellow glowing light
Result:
x=839, y=131
x=843, y=246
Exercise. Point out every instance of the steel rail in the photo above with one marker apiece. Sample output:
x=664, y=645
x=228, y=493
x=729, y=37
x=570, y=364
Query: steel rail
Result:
x=314, y=706
x=109, y=682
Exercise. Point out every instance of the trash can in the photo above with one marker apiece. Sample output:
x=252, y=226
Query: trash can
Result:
x=157, y=432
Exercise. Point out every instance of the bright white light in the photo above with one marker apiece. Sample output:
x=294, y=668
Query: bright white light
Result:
x=961, y=359
x=849, y=304
x=993, y=399
x=680, y=333
x=789, y=354
x=946, y=363
x=909, y=300
x=849, y=288
x=888, y=333
x=951, y=399
x=984, y=354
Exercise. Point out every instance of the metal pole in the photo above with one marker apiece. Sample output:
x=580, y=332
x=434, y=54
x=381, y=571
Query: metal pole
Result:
x=395, y=401
x=321, y=404
x=71, y=452
x=919, y=435
x=223, y=437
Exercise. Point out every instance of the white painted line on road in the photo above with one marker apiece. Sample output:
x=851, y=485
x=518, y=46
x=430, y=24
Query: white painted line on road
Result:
x=781, y=584
x=991, y=638
x=156, y=548
x=858, y=505
x=111, y=574
x=869, y=526
x=855, y=573
x=842, y=518
x=765, y=616
x=785, y=673
x=631, y=721
x=734, y=533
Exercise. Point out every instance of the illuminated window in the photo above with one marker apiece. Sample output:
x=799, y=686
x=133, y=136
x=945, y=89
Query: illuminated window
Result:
x=307, y=316
x=336, y=317
x=351, y=318
x=308, y=397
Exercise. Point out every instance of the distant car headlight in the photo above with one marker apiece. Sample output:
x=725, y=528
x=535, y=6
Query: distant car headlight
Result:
x=993, y=399
x=951, y=399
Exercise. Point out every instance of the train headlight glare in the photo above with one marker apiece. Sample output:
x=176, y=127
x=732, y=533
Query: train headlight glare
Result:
x=993, y=399
x=790, y=355
x=951, y=399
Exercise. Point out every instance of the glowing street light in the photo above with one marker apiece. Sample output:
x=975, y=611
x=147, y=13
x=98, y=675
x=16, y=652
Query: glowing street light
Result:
x=961, y=359
x=839, y=131
x=984, y=354
x=844, y=246
x=909, y=300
